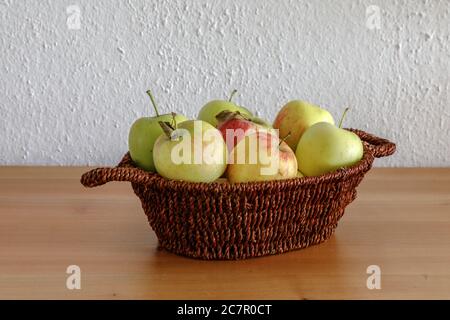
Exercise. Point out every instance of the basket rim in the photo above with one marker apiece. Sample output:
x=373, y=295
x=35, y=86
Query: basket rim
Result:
x=339, y=175
x=126, y=170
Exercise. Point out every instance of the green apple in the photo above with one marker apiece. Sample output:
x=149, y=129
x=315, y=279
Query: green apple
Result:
x=261, y=156
x=210, y=110
x=192, y=151
x=297, y=116
x=143, y=134
x=326, y=148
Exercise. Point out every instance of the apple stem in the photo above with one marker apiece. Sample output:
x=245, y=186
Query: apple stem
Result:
x=167, y=128
x=232, y=95
x=343, y=116
x=153, y=102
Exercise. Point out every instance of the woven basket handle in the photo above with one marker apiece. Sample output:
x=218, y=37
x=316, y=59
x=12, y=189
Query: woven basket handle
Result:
x=99, y=176
x=380, y=147
x=125, y=171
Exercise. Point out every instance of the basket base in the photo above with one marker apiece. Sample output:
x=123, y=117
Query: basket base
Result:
x=249, y=250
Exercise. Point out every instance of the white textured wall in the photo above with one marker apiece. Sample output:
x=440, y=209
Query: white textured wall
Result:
x=69, y=96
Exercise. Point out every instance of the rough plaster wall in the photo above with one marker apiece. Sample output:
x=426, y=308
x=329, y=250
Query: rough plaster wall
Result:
x=69, y=96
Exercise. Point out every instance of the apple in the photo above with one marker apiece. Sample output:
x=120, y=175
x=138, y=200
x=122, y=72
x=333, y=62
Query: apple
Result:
x=242, y=109
x=192, y=151
x=234, y=126
x=326, y=148
x=261, y=122
x=143, y=134
x=261, y=156
x=210, y=110
x=297, y=116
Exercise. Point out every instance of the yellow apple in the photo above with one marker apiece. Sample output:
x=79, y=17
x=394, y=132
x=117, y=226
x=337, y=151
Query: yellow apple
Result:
x=326, y=148
x=297, y=116
x=261, y=156
x=193, y=151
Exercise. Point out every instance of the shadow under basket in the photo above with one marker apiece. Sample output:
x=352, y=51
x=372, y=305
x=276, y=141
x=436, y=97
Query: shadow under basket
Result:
x=223, y=221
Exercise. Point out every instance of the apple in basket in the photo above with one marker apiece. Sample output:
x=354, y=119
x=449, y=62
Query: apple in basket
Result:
x=234, y=126
x=210, y=110
x=192, y=151
x=261, y=156
x=143, y=134
x=297, y=116
x=325, y=148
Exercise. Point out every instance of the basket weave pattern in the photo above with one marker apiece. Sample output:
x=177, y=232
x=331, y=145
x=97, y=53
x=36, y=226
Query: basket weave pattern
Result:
x=237, y=221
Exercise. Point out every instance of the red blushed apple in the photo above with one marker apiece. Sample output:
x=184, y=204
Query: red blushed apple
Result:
x=297, y=116
x=234, y=126
x=234, y=130
x=261, y=156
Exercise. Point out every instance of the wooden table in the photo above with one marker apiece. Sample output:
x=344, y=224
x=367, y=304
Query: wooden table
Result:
x=48, y=221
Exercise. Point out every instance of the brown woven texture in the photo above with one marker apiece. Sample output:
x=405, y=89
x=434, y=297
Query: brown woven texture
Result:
x=244, y=220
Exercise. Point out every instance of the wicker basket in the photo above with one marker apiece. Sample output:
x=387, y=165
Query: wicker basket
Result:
x=239, y=221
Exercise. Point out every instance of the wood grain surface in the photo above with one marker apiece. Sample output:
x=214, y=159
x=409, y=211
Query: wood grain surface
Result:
x=48, y=221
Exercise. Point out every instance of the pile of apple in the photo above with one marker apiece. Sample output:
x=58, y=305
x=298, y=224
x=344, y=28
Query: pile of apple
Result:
x=228, y=141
